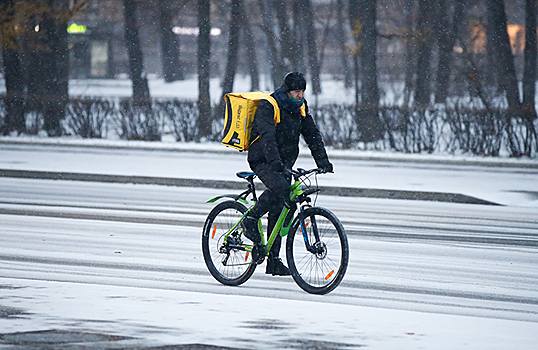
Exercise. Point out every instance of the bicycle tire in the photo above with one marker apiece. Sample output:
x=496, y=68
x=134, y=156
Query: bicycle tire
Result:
x=322, y=271
x=231, y=267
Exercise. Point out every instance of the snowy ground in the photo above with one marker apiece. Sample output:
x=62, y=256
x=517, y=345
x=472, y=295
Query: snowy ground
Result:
x=333, y=91
x=64, y=267
x=95, y=258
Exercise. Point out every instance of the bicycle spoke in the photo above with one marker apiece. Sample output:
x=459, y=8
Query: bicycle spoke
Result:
x=320, y=268
x=225, y=256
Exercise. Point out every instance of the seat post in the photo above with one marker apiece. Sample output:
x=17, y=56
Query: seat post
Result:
x=251, y=186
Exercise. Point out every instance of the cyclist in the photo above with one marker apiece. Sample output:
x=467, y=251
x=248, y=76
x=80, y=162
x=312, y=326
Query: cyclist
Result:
x=275, y=151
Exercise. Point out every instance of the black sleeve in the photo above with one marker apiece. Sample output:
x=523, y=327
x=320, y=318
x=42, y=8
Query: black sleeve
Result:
x=314, y=140
x=264, y=122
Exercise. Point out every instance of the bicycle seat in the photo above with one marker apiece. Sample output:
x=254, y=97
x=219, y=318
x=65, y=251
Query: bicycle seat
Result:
x=246, y=175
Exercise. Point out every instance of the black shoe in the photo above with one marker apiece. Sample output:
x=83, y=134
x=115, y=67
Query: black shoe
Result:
x=276, y=267
x=258, y=253
x=250, y=229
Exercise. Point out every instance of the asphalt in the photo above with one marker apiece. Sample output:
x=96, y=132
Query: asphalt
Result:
x=167, y=181
x=70, y=144
x=65, y=339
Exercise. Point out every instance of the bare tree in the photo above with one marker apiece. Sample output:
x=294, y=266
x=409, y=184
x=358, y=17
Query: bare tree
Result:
x=529, y=77
x=502, y=52
x=410, y=50
x=250, y=51
x=136, y=61
x=344, y=54
x=445, y=38
x=424, y=44
x=233, y=46
x=14, y=99
x=314, y=66
x=171, y=64
x=204, y=54
x=363, y=15
x=289, y=47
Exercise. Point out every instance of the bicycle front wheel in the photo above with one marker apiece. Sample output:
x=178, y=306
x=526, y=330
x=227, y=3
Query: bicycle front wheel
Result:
x=225, y=255
x=317, y=251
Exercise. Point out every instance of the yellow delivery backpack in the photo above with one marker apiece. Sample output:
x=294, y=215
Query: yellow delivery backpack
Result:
x=239, y=114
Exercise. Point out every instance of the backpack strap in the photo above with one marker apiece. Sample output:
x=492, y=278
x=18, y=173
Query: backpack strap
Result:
x=272, y=100
x=276, y=117
x=303, y=110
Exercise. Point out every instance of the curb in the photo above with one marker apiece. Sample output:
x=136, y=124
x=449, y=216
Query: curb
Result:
x=235, y=185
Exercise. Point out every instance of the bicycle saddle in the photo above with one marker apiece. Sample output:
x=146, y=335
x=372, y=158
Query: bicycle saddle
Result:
x=245, y=174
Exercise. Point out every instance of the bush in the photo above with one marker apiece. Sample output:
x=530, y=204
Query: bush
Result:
x=87, y=116
x=139, y=121
x=183, y=116
x=337, y=125
x=479, y=131
x=458, y=128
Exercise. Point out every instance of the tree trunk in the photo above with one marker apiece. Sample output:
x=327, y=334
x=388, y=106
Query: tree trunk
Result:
x=529, y=77
x=422, y=90
x=410, y=51
x=445, y=38
x=14, y=100
x=48, y=80
x=502, y=52
x=356, y=29
x=233, y=47
x=342, y=43
x=136, y=61
x=372, y=127
x=363, y=15
x=234, y=40
x=299, y=33
x=287, y=43
x=368, y=53
x=277, y=69
x=308, y=21
x=250, y=52
x=204, y=44
x=172, y=69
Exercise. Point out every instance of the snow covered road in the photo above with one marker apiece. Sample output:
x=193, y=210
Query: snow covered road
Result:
x=125, y=260
x=88, y=245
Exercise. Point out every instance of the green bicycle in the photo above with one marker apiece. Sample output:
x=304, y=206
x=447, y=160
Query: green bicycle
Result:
x=317, y=249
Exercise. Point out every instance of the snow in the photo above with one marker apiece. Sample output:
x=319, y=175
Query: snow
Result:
x=333, y=91
x=228, y=320
x=160, y=308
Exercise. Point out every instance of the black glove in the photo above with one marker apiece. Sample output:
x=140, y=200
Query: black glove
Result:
x=326, y=167
x=277, y=165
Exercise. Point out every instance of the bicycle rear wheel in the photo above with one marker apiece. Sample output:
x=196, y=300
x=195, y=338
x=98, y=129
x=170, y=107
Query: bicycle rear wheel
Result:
x=320, y=269
x=224, y=254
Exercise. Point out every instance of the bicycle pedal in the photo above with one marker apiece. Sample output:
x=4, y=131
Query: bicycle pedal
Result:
x=258, y=254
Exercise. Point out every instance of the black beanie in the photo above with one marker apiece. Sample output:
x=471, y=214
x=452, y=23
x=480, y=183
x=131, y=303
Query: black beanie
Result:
x=294, y=81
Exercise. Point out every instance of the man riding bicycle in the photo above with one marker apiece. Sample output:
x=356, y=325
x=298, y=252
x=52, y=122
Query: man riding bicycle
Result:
x=273, y=153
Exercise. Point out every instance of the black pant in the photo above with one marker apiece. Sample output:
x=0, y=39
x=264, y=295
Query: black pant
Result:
x=272, y=199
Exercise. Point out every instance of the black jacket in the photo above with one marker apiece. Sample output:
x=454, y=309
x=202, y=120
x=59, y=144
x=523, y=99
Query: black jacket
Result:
x=281, y=142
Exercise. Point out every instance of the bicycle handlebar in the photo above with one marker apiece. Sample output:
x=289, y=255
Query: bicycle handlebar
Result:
x=302, y=172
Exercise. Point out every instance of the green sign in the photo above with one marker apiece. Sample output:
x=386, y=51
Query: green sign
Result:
x=76, y=29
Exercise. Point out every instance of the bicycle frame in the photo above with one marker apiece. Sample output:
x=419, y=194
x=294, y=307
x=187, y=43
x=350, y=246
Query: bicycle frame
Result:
x=283, y=223
x=281, y=226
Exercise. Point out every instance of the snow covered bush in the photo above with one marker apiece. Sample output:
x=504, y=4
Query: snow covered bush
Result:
x=337, y=125
x=86, y=117
x=455, y=129
x=183, y=117
x=138, y=121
